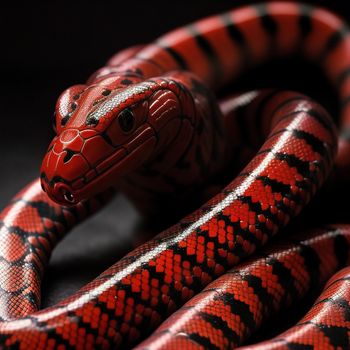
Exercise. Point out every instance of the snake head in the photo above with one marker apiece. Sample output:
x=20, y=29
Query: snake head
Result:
x=102, y=135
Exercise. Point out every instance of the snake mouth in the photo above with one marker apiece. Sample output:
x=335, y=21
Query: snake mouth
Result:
x=102, y=176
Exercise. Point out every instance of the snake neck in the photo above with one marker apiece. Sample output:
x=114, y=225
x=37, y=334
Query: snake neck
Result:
x=191, y=148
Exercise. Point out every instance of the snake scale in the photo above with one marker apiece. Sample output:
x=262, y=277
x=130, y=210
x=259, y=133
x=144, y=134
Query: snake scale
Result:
x=148, y=124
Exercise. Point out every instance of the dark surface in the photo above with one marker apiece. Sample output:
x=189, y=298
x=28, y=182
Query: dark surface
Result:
x=50, y=46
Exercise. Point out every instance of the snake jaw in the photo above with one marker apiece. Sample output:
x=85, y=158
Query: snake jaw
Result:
x=77, y=170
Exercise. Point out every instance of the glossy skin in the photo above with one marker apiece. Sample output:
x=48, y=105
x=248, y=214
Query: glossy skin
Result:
x=132, y=297
x=130, y=132
x=135, y=294
x=325, y=326
x=30, y=227
x=235, y=305
x=216, y=50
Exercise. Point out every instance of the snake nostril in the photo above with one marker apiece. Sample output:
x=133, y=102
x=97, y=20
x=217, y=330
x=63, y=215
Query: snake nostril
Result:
x=69, y=154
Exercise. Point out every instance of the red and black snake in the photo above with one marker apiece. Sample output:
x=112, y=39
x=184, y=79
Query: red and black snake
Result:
x=232, y=307
x=149, y=125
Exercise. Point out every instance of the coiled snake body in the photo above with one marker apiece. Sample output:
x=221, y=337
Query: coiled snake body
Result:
x=149, y=124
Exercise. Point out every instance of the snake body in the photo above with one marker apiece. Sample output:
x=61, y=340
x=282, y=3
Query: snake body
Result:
x=149, y=124
x=233, y=306
x=325, y=325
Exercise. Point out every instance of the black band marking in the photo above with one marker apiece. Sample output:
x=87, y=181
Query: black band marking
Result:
x=209, y=52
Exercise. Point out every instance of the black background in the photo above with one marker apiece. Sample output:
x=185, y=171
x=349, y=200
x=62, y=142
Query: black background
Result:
x=51, y=45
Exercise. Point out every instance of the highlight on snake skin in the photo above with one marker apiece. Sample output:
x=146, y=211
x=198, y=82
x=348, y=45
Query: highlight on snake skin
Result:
x=230, y=172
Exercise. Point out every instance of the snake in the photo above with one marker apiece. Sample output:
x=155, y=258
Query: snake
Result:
x=148, y=124
x=231, y=308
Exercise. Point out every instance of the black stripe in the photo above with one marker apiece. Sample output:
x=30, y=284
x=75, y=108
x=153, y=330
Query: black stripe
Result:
x=205, y=342
x=303, y=167
x=270, y=27
x=209, y=51
x=45, y=252
x=276, y=186
x=238, y=308
x=333, y=41
x=338, y=336
x=337, y=37
x=315, y=143
x=176, y=56
x=325, y=122
x=78, y=320
x=265, y=298
x=237, y=37
x=305, y=23
x=5, y=294
x=218, y=323
x=33, y=299
x=244, y=233
x=317, y=146
x=50, y=332
x=305, y=27
x=341, y=302
x=192, y=259
x=234, y=32
x=46, y=211
x=341, y=249
x=297, y=346
x=312, y=264
x=285, y=279
x=280, y=187
x=287, y=101
x=267, y=21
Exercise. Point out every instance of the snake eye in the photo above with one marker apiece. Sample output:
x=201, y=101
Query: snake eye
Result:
x=126, y=120
x=68, y=196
